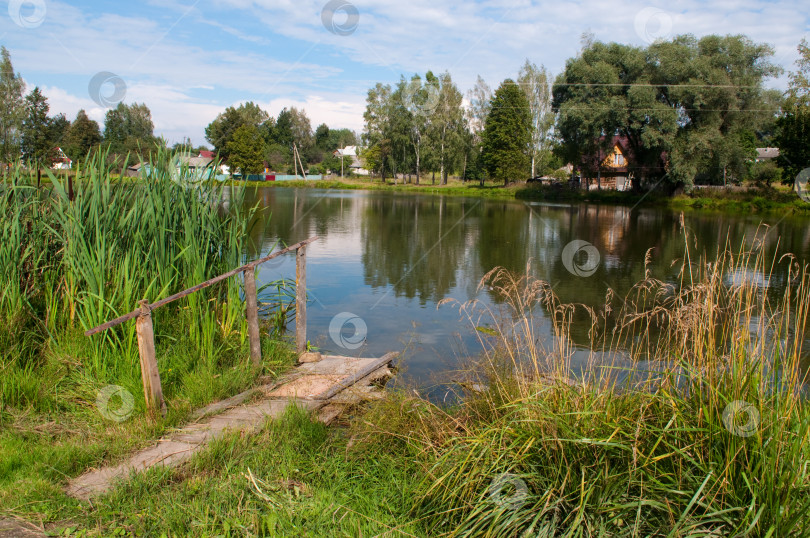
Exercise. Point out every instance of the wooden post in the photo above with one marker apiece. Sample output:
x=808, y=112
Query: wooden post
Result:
x=253, y=316
x=301, y=299
x=149, y=371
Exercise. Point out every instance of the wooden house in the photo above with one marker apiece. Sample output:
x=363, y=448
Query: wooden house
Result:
x=61, y=161
x=607, y=169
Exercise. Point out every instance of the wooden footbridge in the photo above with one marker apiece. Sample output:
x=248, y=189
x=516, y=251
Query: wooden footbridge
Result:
x=325, y=385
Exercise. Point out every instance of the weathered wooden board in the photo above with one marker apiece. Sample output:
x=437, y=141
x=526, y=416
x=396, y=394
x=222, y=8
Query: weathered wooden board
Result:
x=302, y=387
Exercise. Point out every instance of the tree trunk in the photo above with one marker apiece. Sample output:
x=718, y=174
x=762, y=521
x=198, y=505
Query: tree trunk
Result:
x=533, y=164
x=433, y=180
x=442, y=175
x=464, y=170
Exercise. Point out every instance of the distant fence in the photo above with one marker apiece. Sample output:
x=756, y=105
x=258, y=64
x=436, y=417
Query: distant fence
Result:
x=150, y=374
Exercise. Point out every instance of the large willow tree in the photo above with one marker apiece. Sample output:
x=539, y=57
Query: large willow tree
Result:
x=687, y=107
x=793, y=137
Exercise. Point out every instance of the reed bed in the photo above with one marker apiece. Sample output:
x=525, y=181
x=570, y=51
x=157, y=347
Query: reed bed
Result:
x=688, y=419
x=74, y=256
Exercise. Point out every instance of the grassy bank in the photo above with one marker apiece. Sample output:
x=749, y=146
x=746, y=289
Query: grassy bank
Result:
x=754, y=199
x=687, y=419
x=68, y=402
x=454, y=187
x=736, y=200
x=709, y=437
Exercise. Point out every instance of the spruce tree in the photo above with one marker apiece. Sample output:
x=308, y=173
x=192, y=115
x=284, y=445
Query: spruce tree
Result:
x=507, y=134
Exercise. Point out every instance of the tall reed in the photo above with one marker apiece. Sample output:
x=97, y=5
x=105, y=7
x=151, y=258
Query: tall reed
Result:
x=688, y=418
x=75, y=256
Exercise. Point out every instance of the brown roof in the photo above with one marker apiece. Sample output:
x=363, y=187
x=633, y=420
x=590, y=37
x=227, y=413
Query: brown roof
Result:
x=767, y=153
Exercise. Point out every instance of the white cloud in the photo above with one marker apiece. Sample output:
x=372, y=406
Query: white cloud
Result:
x=188, y=60
x=337, y=111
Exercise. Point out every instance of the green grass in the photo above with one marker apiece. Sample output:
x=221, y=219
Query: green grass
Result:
x=69, y=264
x=54, y=430
x=455, y=187
x=538, y=451
x=292, y=479
x=667, y=456
x=755, y=199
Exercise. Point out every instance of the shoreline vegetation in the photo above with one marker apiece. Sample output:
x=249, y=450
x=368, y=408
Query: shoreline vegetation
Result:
x=689, y=419
x=752, y=198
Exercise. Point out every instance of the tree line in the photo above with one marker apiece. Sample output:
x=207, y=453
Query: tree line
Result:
x=422, y=125
x=28, y=132
x=688, y=111
x=246, y=137
x=250, y=139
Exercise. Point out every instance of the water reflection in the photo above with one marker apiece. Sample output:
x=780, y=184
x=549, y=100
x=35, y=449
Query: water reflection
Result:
x=391, y=258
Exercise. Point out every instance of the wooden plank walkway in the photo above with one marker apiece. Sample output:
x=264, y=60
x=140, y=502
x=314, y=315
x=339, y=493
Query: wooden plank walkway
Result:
x=326, y=387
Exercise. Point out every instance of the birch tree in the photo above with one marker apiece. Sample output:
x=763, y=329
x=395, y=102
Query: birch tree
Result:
x=536, y=86
x=480, y=98
x=12, y=109
x=447, y=122
x=378, y=126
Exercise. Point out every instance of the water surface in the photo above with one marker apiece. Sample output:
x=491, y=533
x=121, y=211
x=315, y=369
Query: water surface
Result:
x=385, y=260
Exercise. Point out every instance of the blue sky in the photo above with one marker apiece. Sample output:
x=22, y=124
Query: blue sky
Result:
x=189, y=59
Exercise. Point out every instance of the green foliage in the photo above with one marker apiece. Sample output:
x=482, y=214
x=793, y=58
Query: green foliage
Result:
x=321, y=138
x=187, y=147
x=507, y=134
x=792, y=139
x=379, y=127
x=27, y=246
x=12, y=109
x=293, y=127
x=328, y=140
x=799, y=86
x=685, y=107
x=340, y=138
x=373, y=157
x=793, y=126
x=83, y=135
x=277, y=156
x=535, y=84
x=277, y=136
x=333, y=164
x=37, y=143
x=128, y=129
x=221, y=131
x=246, y=150
x=58, y=129
x=616, y=451
x=446, y=127
x=416, y=127
x=75, y=260
x=766, y=173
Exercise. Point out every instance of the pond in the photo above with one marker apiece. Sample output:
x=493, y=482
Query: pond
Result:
x=386, y=260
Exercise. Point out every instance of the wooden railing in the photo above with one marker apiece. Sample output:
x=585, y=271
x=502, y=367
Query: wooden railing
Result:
x=150, y=374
